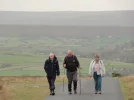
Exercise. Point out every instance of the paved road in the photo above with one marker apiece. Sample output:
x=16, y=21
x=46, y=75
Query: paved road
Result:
x=110, y=91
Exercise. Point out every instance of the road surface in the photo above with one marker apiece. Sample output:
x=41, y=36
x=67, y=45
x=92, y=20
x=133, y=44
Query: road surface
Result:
x=110, y=91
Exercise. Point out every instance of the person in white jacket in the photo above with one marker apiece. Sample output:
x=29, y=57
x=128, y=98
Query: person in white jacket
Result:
x=97, y=71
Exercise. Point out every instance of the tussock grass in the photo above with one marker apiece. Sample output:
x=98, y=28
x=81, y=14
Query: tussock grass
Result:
x=24, y=88
x=127, y=86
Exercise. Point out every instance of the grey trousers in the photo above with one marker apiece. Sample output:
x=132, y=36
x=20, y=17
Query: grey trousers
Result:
x=72, y=76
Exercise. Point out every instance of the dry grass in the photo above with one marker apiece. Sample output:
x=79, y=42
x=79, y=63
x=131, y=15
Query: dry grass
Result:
x=4, y=90
x=127, y=85
x=24, y=88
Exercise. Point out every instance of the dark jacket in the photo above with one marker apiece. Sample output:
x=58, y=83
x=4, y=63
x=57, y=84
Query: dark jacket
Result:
x=52, y=67
x=72, y=63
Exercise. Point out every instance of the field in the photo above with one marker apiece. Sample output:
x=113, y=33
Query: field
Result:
x=24, y=88
x=127, y=85
x=33, y=66
x=25, y=47
x=25, y=56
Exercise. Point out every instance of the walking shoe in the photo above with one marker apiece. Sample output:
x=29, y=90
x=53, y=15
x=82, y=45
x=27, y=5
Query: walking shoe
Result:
x=53, y=93
x=70, y=92
x=75, y=92
x=99, y=92
x=96, y=92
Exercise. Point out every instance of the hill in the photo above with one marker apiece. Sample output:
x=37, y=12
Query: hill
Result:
x=68, y=31
x=102, y=18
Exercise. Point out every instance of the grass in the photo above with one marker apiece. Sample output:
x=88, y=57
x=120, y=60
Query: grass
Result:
x=33, y=66
x=127, y=86
x=24, y=88
x=22, y=73
x=25, y=56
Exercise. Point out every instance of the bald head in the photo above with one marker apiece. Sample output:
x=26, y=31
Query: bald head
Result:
x=51, y=55
x=70, y=53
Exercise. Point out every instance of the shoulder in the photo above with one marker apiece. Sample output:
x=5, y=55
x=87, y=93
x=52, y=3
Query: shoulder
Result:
x=66, y=57
x=55, y=59
x=101, y=61
x=74, y=56
x=47, y=61
x=92, y=61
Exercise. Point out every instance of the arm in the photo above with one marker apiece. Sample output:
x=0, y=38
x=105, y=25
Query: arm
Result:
x=90, y=68
x=64, y=63
x=103, y=68
x=57, y=68
x=45, y=66
x=77, y=62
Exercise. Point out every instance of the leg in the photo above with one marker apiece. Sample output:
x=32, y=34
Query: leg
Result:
x=96, y=82
x=49, y=81
x=75, y=79
x=70, y=78
x=99, y=83
x=53, y=84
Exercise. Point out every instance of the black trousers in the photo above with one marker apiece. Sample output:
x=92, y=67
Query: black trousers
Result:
x=51, y=81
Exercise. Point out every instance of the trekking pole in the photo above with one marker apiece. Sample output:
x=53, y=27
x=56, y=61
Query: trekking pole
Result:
x=80, y=80
x=63, y=79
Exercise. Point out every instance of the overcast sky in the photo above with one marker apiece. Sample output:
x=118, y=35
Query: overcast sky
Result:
x=66, y=5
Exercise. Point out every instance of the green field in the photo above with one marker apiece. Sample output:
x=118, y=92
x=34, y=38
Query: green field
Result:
x=33, y=65
x=25, y=56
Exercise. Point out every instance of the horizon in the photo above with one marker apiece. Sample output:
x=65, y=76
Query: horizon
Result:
x=68, y=11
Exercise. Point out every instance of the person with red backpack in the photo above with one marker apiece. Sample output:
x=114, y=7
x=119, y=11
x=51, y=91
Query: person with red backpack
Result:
x=71, y=64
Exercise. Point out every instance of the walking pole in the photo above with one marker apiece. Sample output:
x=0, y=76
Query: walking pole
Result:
x=80, y=79
x=63, y=80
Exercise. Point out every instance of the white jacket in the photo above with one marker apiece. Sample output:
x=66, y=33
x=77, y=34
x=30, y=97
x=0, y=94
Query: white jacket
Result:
x=101, y=70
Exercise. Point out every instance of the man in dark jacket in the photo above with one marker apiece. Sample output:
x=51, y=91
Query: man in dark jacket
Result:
x=71, y=64
x=51, y=68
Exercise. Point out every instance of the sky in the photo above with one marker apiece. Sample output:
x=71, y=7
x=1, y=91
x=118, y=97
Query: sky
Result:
x=66, y=5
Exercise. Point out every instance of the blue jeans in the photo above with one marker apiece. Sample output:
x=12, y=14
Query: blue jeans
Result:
x=98, y=81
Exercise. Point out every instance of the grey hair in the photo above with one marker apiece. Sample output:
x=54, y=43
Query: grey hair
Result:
x=51, y=54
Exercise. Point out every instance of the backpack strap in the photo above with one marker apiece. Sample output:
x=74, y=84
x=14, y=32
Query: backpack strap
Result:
x=66, y=58
x=100, y=62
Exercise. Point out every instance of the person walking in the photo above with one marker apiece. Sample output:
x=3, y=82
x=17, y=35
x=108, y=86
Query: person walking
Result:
x=97, y=71
x=71, y=64
x=51, y=68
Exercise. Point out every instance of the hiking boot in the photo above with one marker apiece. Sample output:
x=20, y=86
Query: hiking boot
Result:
x=75, y=85
x=70, y=88
x=50, y=92
x=53, y=93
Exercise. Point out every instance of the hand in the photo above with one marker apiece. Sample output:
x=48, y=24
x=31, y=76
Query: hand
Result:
x=58, y=74
x=102, y=75
x=80, y=68
x=64, y=65
x=90, y=76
